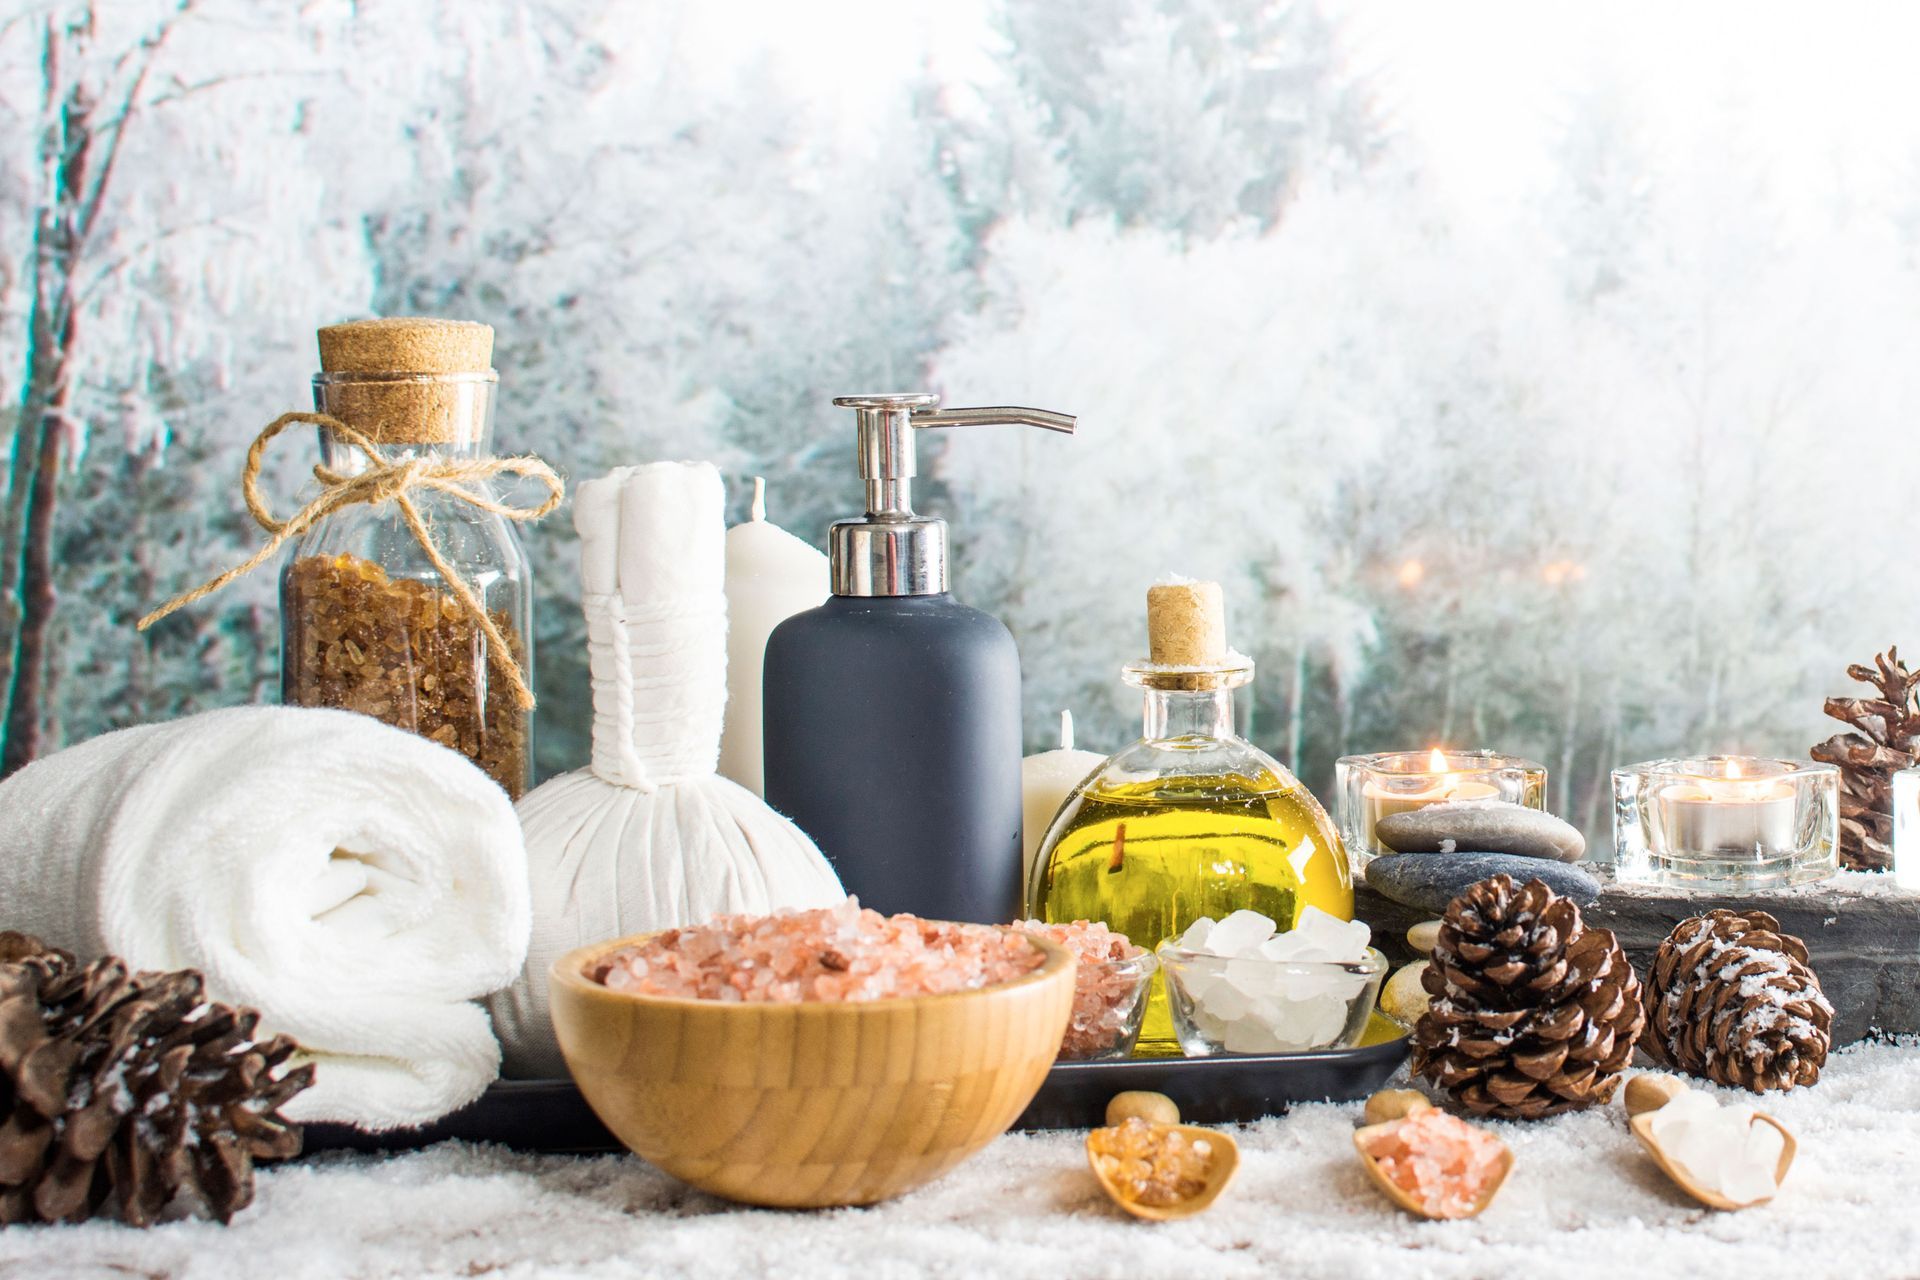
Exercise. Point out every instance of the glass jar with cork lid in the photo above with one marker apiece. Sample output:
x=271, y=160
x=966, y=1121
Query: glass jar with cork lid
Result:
x=1192, y=820
x=412, y=600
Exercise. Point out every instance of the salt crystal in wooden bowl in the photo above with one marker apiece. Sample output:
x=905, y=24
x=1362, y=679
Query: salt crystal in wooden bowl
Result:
x=809, y=1105
x=1162, y=1172
x=1645, y=1105
x=1478, y=1156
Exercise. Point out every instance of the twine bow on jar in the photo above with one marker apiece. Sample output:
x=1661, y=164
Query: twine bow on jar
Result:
x=388, y=480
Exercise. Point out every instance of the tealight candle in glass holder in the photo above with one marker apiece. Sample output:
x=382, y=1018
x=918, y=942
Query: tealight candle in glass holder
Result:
x=1372, y=787
x=1726, y=821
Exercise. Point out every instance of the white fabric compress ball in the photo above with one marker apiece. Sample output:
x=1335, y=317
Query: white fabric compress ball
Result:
x=648, y=836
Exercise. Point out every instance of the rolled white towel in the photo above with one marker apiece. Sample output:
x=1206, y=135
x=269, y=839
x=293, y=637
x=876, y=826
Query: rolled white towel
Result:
x=358, y=885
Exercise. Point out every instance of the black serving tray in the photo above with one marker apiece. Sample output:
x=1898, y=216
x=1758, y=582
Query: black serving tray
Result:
x=550, y=1115
x=1225, y=1090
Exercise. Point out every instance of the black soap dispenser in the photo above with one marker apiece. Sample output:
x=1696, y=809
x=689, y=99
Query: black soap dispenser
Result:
x=892, y=711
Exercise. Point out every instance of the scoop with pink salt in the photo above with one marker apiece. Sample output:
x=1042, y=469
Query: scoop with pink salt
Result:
x=1428, y=1162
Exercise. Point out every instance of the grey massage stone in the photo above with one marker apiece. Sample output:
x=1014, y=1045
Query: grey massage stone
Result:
x=1487, y=826
x=1429, y=884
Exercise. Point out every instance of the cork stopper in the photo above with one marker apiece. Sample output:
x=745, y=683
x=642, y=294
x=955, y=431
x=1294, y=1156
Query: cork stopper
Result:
x=1187, y=624
x=426, y=381
x=406, y=344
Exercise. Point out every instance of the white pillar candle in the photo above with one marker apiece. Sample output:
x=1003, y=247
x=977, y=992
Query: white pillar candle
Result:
x=1046, y=780
x=771, y=575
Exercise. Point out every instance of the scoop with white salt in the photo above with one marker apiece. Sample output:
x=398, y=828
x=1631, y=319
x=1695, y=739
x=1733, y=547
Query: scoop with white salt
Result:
x=1729, y=1157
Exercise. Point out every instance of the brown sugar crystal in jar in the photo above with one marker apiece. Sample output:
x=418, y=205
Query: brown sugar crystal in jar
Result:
x=402, y=651
x=368, y=622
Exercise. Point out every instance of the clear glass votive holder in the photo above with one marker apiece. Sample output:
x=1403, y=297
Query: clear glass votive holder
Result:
x=1720, y=822
x=1906, y=829
x=1252, y=1005
x=1388, y=782
x=1109, y=1004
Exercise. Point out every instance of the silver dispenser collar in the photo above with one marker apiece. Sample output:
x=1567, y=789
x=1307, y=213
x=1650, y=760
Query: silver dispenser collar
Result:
x=892, y=551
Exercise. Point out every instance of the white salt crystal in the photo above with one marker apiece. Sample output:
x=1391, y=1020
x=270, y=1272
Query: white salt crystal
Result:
x=1227, y=1001
x=1239, y=933
x=1342, y=941
x=1200, y=983
x=1282, y=947
x=1299, y=1024
x=1721, y=1148
x=1251, y=976
x=1195, y=938
x=1251, y=1035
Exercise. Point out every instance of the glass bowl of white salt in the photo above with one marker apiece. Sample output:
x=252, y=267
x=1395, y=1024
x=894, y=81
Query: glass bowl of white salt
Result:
x=1238, y=986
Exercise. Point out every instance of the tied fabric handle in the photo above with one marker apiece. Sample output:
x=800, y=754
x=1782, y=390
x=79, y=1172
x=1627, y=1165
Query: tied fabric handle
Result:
x=386, y=480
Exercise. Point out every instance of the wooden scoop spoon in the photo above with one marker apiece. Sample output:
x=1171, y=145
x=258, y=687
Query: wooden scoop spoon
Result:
x=1642, y=1126
x=1385, y=1109
x=1223, y=1161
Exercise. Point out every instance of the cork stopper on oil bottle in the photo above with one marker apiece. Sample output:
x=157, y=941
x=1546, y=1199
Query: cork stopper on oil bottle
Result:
x=1187, y=639
x=408, y=379
x=1186, y=624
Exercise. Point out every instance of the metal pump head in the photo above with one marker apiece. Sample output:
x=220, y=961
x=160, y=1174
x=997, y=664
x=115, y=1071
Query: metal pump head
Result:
x=892, y=551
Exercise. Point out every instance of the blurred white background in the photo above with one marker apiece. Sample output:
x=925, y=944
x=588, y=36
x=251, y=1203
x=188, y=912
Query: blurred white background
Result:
x=1537, y=376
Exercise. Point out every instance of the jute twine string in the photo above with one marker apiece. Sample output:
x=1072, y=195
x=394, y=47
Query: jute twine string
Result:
x=385, y=480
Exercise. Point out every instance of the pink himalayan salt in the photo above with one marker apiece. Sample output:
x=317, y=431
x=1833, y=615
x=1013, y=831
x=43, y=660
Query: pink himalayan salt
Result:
x=1441, y=1161
x=1108, y=984
x=843, y=952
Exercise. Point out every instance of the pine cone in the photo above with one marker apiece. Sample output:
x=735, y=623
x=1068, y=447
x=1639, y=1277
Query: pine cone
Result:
x=1733, y=999
x=119, y=1093
x=1533, y=1013
x=1887, y=741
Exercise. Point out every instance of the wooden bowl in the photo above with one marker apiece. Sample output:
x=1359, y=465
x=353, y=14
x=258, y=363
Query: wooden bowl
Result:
x=810, y=1105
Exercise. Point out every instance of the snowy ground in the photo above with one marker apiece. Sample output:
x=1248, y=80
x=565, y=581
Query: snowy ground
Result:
x=1583, y=1201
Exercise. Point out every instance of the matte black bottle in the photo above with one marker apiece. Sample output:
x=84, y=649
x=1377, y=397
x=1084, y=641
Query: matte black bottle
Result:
x=892, y=711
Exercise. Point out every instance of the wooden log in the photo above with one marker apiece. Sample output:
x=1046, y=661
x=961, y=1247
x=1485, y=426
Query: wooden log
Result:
x=1861, y=929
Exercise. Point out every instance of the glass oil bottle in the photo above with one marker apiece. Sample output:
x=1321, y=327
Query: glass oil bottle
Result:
x=1191, y=820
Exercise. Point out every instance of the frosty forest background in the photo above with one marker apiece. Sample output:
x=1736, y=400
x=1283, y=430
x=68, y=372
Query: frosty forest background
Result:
x=1536, y=378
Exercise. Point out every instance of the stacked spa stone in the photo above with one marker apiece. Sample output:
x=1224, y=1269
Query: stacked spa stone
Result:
x=1441, y=849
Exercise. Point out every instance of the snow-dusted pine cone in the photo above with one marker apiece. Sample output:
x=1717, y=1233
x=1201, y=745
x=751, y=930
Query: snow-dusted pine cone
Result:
x=122, y=1093
x=1731, y=998
x=1533, y=1013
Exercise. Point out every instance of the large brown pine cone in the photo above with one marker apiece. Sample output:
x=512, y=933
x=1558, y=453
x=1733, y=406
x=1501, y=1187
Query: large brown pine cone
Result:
x=1885, y=740
x=126, y=1093
x=1731, y=998
x=1533, y=1013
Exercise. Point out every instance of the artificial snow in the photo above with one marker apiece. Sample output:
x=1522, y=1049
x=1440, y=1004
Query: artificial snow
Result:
x=1584, y=1201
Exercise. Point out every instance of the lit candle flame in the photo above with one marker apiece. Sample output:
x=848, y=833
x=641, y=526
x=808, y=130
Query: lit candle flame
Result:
x=1733, y=769
x=1437, y=761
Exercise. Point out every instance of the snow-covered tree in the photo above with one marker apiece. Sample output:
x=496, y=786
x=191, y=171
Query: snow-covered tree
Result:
x=1190, y=115
x=163, y=240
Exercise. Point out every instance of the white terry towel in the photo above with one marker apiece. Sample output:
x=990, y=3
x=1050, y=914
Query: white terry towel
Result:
x=358, y=885
x=649, y=836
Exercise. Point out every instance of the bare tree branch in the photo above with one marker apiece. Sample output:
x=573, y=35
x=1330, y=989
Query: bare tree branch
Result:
x=151, y=44
x=104, y=274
